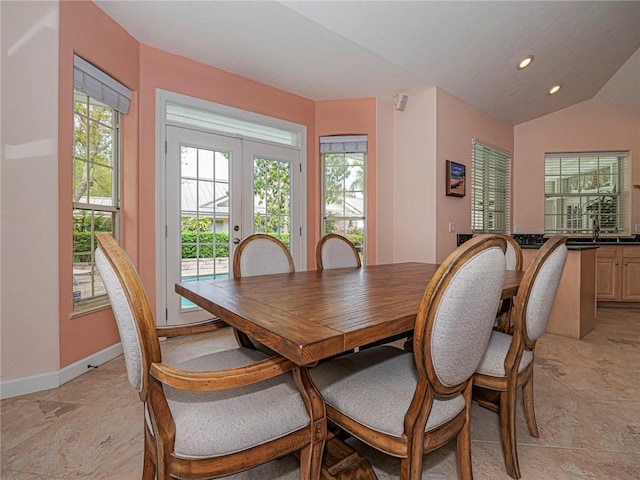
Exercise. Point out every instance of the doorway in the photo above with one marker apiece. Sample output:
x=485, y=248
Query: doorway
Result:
x=218, y=189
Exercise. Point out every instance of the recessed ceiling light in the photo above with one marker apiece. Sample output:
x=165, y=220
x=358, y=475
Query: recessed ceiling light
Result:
x=525, y=62
x=553, y=90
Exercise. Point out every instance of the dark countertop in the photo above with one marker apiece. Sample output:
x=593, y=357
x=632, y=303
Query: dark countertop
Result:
x=532, y=241
x=569, y=246
x=603, y=242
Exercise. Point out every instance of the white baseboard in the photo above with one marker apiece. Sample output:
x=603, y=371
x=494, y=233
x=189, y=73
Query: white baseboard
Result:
x=24, y=385
x=45, y=381
x=76, y=369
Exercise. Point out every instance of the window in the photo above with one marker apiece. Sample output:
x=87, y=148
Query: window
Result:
x=490, y=189
x=583, y=191
x=343, y=187
x=96, y=181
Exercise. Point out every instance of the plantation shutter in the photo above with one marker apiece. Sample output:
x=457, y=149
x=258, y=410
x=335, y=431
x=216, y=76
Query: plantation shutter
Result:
x=98, y=85
x=490, y=188
x=581, y=186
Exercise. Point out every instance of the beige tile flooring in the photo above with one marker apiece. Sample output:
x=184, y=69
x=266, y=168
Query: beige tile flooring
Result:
x=587, y=405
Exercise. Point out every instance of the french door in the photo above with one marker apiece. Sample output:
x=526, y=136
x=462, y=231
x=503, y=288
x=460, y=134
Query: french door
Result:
x=220, y=189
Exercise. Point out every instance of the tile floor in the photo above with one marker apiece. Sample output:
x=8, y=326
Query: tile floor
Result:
x=587, y=405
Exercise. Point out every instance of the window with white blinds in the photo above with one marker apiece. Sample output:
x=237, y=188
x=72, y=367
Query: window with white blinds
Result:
x=490, y=188
x=587, y=190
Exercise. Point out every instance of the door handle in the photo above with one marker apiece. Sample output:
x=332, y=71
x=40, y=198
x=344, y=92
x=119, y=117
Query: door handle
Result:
x=236, y=241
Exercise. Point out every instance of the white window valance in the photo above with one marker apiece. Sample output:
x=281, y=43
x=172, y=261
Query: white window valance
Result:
x=343, y=144
x=98, y=85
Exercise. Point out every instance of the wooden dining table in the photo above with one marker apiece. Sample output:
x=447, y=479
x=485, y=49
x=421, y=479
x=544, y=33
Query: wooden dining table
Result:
x=309, y=316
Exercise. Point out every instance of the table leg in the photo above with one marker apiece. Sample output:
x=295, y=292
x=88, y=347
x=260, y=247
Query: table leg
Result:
x=341, y=462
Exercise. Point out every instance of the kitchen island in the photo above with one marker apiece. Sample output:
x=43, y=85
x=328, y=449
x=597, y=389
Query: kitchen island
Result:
x=574, y=310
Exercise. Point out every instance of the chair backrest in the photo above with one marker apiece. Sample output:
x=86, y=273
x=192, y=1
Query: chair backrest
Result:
x=513, y=254
x=538, y=289
x=131, y=309
x=261, y=254
x=336, y=251
x=457, y=312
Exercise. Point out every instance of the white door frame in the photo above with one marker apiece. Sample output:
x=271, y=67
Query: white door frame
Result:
x=162, y=98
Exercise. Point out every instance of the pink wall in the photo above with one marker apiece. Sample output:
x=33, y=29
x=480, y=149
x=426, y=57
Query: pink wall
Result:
x=457, y=124
x=84, y=29
x=592, y=125
x=90, y=33
x=162, y=70
x=347, y=117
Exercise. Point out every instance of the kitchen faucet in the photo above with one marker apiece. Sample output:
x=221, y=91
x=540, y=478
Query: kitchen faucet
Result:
x=595, y=229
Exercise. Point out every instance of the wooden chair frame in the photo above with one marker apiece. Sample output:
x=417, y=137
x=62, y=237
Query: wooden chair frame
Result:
x=159, y=459
x=335, y=236
x=414, y=443
x=505, y=312
x=485, y=386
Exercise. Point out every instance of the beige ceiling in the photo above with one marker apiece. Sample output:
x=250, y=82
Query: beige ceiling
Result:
x=325, y=50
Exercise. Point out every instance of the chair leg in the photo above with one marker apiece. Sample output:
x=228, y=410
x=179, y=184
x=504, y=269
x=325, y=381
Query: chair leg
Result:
x=529, y=410
x=148, y=467
x=508, y=432
x=411, y=467
x=149, y=462
x=311, y=461
x=463, y=442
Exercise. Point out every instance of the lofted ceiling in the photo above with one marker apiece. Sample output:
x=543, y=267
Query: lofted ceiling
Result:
x=325, y=50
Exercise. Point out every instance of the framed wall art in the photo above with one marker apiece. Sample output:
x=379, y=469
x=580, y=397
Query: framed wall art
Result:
x=456, y=179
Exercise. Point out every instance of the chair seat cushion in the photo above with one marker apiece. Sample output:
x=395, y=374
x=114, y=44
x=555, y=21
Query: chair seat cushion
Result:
x=375, y=388
x=218, y=423
x=492, y=363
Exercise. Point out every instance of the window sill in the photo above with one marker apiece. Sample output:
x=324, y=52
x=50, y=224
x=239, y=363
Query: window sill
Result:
x=90, y=306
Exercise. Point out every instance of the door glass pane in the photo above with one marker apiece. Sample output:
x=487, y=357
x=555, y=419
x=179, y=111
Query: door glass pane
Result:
x=204, y=213
x=272, y=198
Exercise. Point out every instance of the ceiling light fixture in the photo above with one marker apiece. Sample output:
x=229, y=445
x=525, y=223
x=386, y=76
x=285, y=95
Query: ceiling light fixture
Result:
x=553, y=90
x=525, y=62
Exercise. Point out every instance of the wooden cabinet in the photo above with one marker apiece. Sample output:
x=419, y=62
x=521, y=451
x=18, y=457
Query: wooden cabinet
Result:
x=618, y=273
x=608, y=273
x=631, y=274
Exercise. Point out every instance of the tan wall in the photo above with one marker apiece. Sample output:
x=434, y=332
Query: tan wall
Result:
x=29, y=189
x=592, y=125
x=457, y=124
x=413, y=184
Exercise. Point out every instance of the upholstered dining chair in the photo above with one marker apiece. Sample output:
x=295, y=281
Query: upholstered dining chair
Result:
x=408, y=404
x=507, y=364
x=514, y=260
x=336, y=251
x=259, y=254
x=215, y=414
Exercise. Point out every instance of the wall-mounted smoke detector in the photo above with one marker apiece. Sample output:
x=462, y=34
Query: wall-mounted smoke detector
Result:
x=400, y=101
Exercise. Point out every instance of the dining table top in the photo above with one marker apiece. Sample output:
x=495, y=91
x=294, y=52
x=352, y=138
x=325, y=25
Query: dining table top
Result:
x=308, y=316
